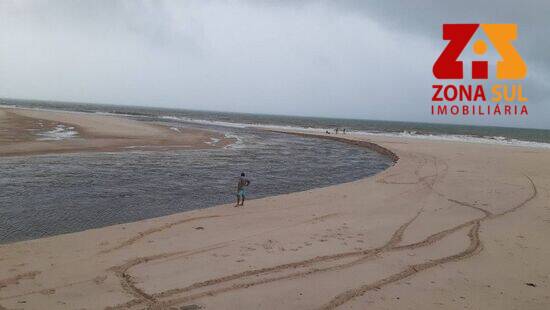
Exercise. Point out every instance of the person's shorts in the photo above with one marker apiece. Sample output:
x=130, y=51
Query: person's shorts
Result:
x=240, y=193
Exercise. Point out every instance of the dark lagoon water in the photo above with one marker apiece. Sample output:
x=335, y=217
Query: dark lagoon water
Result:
x=54, y=194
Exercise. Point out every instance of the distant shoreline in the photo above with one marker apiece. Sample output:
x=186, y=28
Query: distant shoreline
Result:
x=493, y=135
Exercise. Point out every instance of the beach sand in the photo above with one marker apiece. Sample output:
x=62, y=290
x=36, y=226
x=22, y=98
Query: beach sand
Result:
x=450, y=226
x=25, y=132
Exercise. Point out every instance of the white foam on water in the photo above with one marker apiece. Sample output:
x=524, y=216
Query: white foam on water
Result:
x=495, y=140
x=212, y=141
x=60, y=132
x=245, y=125
x=112, y=114
x=239, y=143
x=5, y=105
x=205, y=122
x=43, y=109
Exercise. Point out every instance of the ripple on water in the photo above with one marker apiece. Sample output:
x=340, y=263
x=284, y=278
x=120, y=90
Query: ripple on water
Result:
x=48, y=195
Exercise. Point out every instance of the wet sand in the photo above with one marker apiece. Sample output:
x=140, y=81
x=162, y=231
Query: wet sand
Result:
x=450, y=226
x=22, y=133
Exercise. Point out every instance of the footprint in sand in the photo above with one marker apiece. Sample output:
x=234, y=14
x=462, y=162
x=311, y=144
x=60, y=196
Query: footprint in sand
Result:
x=100, y=279
x=191, y=307
x=270, y=245
x=248, y=248
x=47, y=292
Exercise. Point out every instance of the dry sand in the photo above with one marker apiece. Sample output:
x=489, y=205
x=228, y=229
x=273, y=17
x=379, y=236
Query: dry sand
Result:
x=449, y=226
x=20, y=131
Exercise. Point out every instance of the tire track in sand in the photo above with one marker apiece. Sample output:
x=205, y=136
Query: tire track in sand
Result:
x=15, y=279
x=474, y=247
x=394, y=241
x=129, y=285
x=154, y=304
x=392, y=245
x=154, y=230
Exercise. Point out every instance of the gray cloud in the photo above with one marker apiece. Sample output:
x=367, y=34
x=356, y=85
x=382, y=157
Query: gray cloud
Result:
x=422, y=16
x=359, y=59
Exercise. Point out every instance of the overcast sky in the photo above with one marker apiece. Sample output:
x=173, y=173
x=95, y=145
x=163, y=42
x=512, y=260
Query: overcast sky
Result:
x=354, y=59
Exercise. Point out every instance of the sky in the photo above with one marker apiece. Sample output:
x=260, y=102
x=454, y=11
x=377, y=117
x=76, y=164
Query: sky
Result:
x=352, y=59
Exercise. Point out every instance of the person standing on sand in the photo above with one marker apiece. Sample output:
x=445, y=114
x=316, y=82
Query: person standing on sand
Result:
x=240, y=189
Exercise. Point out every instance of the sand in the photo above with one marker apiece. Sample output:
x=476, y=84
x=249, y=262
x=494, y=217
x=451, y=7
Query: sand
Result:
x=450, y=226
x=22, y=133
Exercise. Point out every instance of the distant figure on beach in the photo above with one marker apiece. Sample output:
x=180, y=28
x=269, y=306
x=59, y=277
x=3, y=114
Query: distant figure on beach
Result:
x=336, y=130
x=243, y=182
x=344, y=131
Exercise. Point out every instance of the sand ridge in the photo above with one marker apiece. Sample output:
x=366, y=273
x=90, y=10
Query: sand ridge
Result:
x=20, y=131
